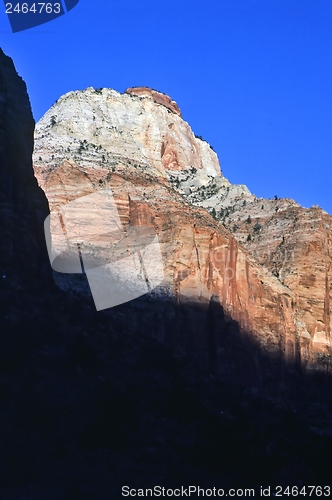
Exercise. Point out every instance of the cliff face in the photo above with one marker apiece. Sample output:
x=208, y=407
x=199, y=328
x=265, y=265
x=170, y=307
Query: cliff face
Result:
x=23, y=258
x=92, y=140
x=91, y=400
x=292, y=243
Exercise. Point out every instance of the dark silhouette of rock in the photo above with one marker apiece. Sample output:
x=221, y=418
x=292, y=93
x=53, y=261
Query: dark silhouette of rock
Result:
x=23, y=205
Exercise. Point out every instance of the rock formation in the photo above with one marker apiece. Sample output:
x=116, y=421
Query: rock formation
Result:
x=158, y=97
x=275, y=283
x=23, y=206
x=293, y=243
x=91, y=401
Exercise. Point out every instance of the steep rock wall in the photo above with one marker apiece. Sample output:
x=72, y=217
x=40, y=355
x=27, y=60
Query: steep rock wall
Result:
x=93, y=140
x=23, y=206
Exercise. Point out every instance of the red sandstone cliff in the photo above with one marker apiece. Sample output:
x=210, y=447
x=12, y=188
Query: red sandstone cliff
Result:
x=93, y=140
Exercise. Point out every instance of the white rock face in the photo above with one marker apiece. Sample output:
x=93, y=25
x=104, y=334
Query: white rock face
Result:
x=99, y=129
x=84, y=124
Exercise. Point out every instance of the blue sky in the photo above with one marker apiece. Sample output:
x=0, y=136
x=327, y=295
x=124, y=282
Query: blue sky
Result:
x=253, y=77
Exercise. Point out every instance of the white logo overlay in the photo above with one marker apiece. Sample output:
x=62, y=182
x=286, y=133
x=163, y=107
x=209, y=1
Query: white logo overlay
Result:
x=87, y=236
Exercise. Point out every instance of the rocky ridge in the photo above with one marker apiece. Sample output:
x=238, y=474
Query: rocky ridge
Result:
x=23, y=257
x=96, y=139
x=292, y=242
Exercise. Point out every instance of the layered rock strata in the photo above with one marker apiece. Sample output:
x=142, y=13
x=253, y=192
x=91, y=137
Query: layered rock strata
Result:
x=138, y=145
x=293, y=243
x=89, y=399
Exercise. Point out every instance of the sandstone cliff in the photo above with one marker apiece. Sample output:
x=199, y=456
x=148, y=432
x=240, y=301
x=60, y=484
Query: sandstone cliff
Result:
x=96, y=139
x=293, y=243
x=91, y=400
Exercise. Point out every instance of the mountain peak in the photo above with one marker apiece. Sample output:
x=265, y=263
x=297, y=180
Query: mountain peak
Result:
x=157, y=96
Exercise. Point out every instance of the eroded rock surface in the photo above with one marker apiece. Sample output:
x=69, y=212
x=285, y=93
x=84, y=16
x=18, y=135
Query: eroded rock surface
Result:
x=293, y=243
x=158, y=97
x=89, y=399
x=162, y=175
